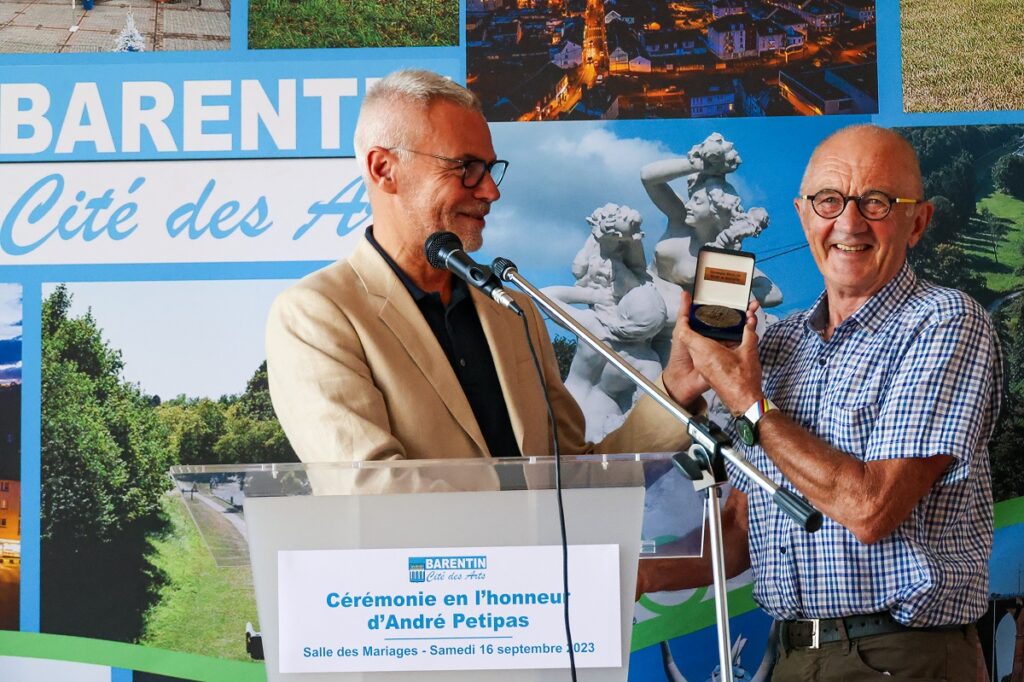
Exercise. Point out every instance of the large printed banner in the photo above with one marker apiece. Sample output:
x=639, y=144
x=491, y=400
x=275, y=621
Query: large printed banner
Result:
x=168, y=167
x=466, y=608
x=173, y=212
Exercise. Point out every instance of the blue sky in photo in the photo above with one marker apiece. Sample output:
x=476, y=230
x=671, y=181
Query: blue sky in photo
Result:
x=200, y=338
x=10, y=332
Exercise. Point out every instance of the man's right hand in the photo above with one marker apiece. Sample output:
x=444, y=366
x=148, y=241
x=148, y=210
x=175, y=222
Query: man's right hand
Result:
x=734, y=372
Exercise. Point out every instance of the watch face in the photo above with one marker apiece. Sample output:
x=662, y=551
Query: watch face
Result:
x=745, y=430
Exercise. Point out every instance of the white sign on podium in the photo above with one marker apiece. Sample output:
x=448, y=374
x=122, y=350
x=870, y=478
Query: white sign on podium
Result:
x=460, y=608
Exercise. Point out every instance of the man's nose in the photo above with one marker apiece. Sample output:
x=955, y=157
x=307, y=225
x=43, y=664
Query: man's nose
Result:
x=487, y=190
x=851, y=220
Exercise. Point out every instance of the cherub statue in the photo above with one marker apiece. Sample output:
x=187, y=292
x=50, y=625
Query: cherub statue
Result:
x=622, y=309
x=611, y=261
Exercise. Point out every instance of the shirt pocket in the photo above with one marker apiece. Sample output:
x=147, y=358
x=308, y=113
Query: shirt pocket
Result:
x=850, y=427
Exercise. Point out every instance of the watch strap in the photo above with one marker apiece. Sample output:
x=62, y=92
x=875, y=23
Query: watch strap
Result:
x=758, y=410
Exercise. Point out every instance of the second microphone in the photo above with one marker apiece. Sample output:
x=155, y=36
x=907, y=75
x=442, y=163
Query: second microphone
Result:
x=444, y=252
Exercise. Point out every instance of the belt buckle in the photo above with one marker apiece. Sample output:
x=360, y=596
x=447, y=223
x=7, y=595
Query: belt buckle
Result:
x=815, y=624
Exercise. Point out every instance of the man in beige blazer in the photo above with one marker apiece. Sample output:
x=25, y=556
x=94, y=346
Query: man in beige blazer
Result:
x=357, y=372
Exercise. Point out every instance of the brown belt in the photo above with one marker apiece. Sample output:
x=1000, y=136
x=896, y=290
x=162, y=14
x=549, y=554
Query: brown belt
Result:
x=814, y=632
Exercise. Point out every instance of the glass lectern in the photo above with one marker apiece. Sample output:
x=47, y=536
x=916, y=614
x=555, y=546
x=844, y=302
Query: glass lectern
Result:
x=449, y=569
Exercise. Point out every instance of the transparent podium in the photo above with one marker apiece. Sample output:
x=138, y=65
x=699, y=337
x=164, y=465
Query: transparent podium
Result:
x=449, y=569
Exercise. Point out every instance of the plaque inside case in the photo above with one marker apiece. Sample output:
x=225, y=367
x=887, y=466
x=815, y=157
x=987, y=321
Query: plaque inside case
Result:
x=723, y=280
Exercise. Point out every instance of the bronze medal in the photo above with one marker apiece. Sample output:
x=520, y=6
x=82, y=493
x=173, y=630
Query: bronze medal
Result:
x=718, y=316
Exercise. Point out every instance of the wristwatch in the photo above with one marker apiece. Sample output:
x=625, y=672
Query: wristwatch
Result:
x=746, y=423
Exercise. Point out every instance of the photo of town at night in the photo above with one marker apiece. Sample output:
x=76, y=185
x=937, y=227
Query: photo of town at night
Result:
x=539, y=60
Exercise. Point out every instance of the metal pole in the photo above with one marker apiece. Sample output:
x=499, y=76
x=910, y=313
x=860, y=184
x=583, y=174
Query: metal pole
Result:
x=719, y=584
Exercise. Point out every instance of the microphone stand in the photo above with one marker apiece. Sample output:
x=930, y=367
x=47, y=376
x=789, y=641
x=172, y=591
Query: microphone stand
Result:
x=703, y=463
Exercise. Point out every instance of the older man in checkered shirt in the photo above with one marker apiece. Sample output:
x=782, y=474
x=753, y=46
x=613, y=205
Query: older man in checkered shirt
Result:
x=877, y=405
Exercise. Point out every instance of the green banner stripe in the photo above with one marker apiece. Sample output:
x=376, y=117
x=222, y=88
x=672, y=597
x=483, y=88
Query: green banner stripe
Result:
x=129, y=656
x=1009, y=512
x=680, y=621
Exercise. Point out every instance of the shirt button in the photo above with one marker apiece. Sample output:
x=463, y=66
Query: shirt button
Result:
x=822, y=362
x=462, y=362
x=782, y=550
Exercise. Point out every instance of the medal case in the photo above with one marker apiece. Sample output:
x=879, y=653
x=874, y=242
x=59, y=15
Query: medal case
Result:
x=722, y=280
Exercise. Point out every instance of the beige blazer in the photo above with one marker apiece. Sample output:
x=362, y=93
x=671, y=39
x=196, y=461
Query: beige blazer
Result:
x=357, y=374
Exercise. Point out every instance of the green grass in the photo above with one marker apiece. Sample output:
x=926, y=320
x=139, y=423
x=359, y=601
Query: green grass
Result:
x=962, y=55
x=352, y=23
x=203, y=608
x=1001, y=277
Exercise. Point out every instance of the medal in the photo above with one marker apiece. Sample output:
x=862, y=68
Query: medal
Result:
x=718, y=316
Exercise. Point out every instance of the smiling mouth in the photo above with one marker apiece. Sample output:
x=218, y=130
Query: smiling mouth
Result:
x=852, y=248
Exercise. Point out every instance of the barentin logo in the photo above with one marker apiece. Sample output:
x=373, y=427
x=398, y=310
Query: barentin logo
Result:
x=417, y=570
x=419, y=566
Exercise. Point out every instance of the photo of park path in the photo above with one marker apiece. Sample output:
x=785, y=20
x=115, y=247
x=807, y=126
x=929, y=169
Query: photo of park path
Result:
x=169, y=567
x=60, y=26
x=220, y=520
x=962, y=55
x=208, y=588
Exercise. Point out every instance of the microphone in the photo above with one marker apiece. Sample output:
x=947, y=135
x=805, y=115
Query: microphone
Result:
x=444, y=252
x=504, y=268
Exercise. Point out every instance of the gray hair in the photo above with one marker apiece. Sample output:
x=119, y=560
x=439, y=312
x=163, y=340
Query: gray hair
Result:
x=386, y=118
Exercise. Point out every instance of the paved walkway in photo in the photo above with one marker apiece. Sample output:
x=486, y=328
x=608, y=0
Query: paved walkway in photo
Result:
x=222, y=528
x=41, y=26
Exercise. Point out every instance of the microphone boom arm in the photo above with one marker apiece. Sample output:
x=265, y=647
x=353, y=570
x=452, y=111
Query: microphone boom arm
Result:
x=707, y=435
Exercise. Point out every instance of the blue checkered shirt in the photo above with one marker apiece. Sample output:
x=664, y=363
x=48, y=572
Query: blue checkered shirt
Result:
x=915, y=372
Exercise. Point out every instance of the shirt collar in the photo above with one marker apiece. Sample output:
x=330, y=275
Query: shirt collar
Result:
x=875, y=311
x=459, y=289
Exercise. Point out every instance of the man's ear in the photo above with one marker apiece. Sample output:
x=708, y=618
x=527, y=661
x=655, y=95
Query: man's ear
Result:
x=381, y=167
x=801, y=206
x=922, y=217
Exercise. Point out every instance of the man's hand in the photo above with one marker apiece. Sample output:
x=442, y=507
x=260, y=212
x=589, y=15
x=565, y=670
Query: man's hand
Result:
x=682, y=379
x=684, y=383
x=734, y=372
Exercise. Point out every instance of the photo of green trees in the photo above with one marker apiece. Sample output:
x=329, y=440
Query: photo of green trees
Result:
x=975, y=177
x=123, y=557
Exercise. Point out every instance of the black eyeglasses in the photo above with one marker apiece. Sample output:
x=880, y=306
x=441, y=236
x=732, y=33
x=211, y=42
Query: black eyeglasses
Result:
x=473, y=170
x=873, y=205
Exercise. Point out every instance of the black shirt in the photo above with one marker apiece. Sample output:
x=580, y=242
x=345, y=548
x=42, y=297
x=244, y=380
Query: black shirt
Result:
x=457, y=328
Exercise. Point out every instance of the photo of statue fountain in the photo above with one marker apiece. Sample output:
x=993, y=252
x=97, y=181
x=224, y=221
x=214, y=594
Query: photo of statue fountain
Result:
x=631, y=303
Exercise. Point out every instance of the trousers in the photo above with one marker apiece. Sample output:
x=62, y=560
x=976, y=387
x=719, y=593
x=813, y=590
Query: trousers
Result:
x=915, y=656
